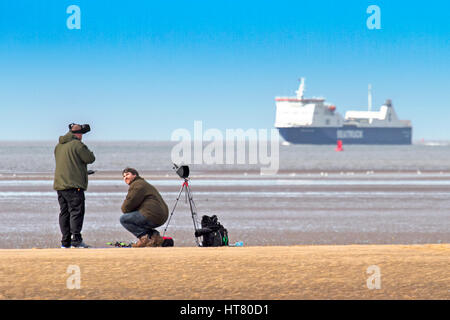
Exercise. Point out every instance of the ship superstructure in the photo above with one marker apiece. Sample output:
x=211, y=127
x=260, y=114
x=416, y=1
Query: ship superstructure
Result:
x=312, y=121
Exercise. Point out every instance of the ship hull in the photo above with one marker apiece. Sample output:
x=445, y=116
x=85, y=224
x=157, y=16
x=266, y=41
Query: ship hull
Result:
x=348, y=135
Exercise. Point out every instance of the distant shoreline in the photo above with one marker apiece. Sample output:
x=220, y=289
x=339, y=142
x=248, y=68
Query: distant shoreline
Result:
x=249, y=174
x=442, y=142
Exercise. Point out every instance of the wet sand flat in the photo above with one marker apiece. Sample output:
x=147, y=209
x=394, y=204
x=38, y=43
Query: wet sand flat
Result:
x=254, y=272
x=302, y=208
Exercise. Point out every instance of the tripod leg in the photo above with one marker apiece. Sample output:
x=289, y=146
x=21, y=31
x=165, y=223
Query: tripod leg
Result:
x=175, y=205
x=191, y=207
x=193, y=211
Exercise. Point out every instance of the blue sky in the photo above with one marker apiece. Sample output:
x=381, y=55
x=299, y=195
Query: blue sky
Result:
x=141, y=69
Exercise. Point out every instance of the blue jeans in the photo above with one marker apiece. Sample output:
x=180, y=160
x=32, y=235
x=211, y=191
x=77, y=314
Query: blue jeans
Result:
x=137, y=224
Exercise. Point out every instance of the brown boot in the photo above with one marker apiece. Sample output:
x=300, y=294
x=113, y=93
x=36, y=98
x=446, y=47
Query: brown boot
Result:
x=156, y=240
x=142, y=242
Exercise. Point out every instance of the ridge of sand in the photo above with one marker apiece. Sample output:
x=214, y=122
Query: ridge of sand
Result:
x=266, y=272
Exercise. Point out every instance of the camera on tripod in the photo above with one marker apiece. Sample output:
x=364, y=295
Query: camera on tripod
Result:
x=212, y=232
x=182, y=171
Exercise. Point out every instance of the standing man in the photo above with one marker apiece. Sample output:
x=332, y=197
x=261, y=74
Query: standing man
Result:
x=71, y=180
x=144, y=210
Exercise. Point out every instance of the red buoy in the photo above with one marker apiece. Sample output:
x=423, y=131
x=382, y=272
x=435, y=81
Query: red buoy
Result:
x=339, y=146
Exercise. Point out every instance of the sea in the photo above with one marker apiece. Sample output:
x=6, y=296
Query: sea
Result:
x=318, y=196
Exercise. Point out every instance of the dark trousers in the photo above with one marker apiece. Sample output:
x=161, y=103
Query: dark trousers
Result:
x=137, y=224
x=71, y=216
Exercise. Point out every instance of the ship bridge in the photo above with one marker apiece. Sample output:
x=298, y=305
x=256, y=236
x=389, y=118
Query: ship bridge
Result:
x=300, y=111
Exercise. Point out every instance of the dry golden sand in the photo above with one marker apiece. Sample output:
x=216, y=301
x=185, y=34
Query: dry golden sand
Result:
x=292, y=272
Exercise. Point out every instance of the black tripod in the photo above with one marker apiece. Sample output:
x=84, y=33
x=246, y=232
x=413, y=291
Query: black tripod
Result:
x=192, y=207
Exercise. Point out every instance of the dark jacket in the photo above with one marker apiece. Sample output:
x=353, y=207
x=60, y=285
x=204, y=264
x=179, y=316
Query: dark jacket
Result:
x=72, y=157
x=144, y=197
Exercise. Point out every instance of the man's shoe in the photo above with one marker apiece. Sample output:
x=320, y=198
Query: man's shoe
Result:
x=156, y=240
x=81, y=245
x=142, y=242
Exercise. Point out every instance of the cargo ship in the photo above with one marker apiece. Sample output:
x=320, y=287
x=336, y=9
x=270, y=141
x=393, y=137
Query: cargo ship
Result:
x=303, y=120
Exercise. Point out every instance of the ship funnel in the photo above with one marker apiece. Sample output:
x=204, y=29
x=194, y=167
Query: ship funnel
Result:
x=301, y=88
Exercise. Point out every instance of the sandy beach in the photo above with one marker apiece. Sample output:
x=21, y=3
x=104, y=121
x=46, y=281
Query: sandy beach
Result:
x=265, y=272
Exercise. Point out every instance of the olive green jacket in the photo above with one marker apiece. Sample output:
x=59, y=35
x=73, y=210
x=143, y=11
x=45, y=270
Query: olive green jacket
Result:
x=144, y=197
x=72, y=157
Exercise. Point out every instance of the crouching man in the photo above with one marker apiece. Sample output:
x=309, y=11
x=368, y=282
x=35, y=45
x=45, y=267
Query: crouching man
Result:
x=144, y=210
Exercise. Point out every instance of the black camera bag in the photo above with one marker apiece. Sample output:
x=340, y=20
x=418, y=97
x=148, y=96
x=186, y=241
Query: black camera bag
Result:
x=214, y=234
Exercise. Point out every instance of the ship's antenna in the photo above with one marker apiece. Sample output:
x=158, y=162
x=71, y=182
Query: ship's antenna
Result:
x=369, y=98
x=301, y=88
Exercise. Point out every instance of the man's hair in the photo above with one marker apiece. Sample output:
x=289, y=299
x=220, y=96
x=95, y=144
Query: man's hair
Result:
x=130, y=170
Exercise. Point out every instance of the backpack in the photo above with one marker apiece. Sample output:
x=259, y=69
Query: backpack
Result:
x=214, y=234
